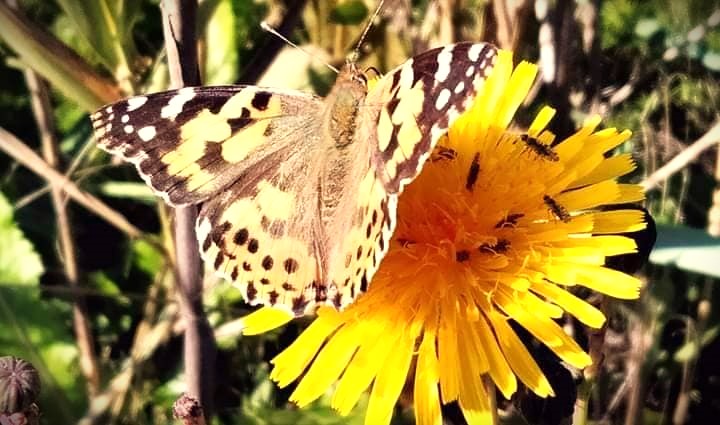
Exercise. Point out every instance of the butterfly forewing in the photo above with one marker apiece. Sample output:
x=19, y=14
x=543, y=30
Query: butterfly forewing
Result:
x=191, y=143
x=420, y=100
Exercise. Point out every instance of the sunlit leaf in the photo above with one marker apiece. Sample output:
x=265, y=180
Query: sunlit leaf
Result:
x=130, y=190
x=687, y=249
x=221, y=53
x=646, y=28
x=19, y=263
x=349, y=13
x=711, y=60
x=34, y=328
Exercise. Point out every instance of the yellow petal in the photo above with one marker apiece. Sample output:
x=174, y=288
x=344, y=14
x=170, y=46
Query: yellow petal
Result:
x=426, y=394
x=519, y=358
x=363, y=367
x=607, y=169
x=618, y=221
x=327, y=367
x=264, y=319
x=293, y=360
x=499, y=371
x=583, y=311
x=389, y=383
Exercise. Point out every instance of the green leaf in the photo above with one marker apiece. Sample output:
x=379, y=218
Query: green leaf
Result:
x=221, y=53
x=55, y=61
x=351, y=12
x=106, y=26
x=691, y=350
x=711, y=60
x=36, y=328
x=19, y=263
x=106, y=287
x=130, y=190
x=687, y=249
x=146, y=257
x=646, y=28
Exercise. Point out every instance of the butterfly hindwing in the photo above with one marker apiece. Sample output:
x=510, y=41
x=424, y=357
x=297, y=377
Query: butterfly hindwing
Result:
x=189, y=144
x=259, y=235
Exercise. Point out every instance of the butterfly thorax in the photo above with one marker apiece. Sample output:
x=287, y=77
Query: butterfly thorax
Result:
x=341, y=163
x=342, y=107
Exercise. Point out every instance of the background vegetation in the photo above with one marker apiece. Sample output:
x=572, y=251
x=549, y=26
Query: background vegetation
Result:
x=86, y=285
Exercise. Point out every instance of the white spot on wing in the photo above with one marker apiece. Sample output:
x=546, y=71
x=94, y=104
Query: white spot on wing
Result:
x=176, y=103
x=442, y=99
x=128, y=129
x=136, y=102
x=460, y=87
x=406, y=74
x=470, y=71
x=108, y=109
x=147, y=133
x=444, y=60
x=125, y=118
x=474, y=52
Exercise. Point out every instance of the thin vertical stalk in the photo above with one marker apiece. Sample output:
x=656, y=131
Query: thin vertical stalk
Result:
x=42, y=111
x=179, y=18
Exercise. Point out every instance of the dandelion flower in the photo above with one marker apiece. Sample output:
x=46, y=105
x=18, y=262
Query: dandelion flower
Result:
x=499, y=226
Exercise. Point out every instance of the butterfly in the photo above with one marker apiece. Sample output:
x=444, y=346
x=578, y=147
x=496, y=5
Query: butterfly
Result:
x=297, y=193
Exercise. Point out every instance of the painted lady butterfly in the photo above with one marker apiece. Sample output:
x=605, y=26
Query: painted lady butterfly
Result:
x=298, y=193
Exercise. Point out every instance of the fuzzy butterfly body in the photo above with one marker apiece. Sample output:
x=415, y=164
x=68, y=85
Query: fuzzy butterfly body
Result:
x=298, y=193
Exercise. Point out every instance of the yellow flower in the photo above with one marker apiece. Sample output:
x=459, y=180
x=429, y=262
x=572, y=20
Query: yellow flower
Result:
x=498, y=226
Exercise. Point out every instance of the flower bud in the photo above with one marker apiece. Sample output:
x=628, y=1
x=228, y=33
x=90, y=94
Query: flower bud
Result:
x=19, y=385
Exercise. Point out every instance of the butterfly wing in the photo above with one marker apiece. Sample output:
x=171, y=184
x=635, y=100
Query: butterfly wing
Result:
x=248, y=154
x=191, y=143
x=419, y=101
x=405, y=115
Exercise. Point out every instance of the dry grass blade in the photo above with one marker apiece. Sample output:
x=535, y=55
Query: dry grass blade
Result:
x=27, y=157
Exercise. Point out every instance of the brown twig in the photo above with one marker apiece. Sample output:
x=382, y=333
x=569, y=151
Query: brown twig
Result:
x=710, y=138
x=509, y=18
x=12, y=146
x=199, y=345
x=86, y=346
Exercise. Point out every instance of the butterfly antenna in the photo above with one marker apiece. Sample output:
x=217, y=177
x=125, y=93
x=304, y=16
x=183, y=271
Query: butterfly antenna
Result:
x=265, y=26
x=356, y=53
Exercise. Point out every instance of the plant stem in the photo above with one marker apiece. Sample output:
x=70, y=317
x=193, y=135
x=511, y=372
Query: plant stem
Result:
x=179, y=18
x=86, y=346
x=19, y=151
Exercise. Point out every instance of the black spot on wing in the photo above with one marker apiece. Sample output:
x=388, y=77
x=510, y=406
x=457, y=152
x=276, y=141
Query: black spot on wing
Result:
x=240, y=122
x=260, y=100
